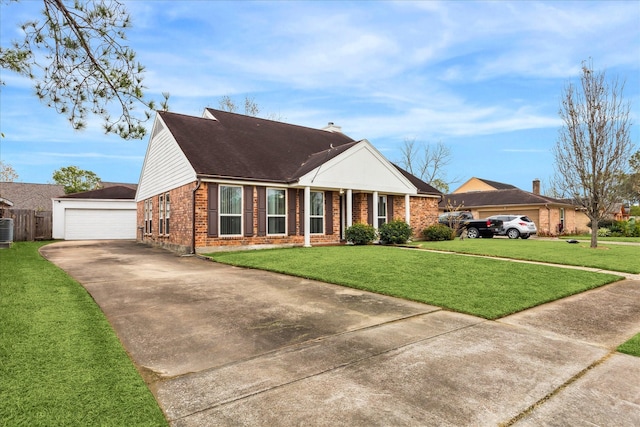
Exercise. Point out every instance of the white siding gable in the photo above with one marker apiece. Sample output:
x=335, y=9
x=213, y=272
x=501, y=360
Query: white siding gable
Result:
x=165, y=166
x=361, y=167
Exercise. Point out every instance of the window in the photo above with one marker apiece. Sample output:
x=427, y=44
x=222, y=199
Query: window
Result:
x=161, y=214
x=317, y=212
x=230, y=211
x=148, y=212
x=276, y=211
x=382, y=210
x=167, y=213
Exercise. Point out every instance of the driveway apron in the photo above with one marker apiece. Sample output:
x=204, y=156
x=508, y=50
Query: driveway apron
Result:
x=221, y=345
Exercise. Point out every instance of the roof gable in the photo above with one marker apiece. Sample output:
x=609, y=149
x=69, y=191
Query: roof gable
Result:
x=165, y=165
x=359, y=166
x=480, y=184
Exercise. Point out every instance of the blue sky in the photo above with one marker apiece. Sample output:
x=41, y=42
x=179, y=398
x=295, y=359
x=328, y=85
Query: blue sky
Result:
x=483, y=78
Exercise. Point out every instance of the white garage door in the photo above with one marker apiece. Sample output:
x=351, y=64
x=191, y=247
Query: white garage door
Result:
x=90, y=224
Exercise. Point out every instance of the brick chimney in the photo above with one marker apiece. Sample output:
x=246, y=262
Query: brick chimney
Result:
x=536, y=186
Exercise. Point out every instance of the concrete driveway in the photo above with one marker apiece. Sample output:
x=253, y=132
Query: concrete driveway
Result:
x=220, y=345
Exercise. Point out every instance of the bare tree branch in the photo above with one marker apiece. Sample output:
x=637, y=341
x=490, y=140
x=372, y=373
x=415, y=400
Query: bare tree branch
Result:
x=427, y=162
x=594, y=144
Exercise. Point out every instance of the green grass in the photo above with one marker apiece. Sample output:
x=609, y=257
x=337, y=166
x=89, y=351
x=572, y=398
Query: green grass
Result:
x=61, y=363
x=483, y=287
x=632, y=346
x=587, y=237
x=624, y=258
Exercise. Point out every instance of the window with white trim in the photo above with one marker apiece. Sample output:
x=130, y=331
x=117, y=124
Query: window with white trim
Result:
x=167, y=212
x=382, y=210
x=276, y=211
x=161, y=214
x=230, y=210
x=316, y=213
x=148, y=212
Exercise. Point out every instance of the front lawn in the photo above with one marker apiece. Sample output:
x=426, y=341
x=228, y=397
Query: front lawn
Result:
x=632, y=346
x=483, y=287
x=587, y=237
x=612, y=257
x=61, y=363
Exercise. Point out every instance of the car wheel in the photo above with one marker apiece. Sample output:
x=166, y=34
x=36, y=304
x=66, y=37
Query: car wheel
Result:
x=513, y=233
x=473, y=233
x=525, y=236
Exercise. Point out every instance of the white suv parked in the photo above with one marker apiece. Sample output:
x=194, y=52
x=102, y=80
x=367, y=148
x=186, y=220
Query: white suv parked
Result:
x=514, y=226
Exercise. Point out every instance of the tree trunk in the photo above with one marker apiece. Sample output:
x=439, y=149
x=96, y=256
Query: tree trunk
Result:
x=594, y=232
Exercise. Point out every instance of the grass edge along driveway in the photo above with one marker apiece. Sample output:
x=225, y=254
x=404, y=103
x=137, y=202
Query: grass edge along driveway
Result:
x=61, y=363
x=481, y=287
x=606, y=256
x=632, y=346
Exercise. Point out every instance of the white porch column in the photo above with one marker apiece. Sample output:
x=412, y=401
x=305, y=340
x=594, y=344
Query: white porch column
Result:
x=407, y=209
x=375, y=210
x=349, y=207
x=307, y=217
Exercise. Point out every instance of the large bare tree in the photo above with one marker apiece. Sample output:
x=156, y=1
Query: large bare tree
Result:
x=77, y=55
x=426, y=161
x=594, y=145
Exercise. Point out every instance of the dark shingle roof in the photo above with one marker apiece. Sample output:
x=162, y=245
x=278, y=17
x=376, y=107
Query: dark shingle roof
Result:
x=30, y=196
x=513, y=196
x=113, y=192
x=105, y=184
x=240, y=146
x=423, y=187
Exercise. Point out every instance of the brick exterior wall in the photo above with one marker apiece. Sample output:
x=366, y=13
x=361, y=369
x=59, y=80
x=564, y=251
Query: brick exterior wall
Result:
x=360, y=208
x=424, y=212
x=204, y=242
x=180, y=220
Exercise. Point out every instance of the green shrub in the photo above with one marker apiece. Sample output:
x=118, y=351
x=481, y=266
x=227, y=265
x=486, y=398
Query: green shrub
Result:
x=438, y=232
x=603, y=223
x=604, y=232
x=395, y=232
x=629, y=228
x=360, y=234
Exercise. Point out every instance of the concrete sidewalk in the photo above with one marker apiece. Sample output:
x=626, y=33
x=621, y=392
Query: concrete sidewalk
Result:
x=220, y=345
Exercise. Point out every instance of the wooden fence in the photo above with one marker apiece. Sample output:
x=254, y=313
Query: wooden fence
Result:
x=29, y=225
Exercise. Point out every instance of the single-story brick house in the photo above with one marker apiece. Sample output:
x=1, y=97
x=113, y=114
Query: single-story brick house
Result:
x=226, y=180
x=485, y=198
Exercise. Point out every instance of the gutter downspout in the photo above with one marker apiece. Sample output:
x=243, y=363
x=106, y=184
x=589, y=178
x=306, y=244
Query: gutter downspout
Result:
x=193, y=218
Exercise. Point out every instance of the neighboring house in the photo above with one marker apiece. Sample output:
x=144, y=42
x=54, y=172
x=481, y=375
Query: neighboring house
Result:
x=479, y=184
x=5, y=203
x=20, y=195
x=107, y=213
x=227, y=180
x=620, y=212
x=29, y=208
x=486, y=198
